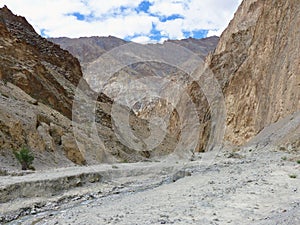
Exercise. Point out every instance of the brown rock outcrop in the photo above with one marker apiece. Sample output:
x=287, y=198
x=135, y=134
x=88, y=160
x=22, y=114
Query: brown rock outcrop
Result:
x=257, y=61
x=27, y=60
x=73, y=153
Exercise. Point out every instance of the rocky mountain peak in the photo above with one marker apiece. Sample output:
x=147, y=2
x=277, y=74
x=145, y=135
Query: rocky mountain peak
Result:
x=8, y=17
x=20, y=29
x=88, y=49
x=202, y=47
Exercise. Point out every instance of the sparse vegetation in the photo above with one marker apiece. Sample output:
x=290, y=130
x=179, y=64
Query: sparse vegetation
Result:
x=284, y=158
x=298, y=161
x=282, y=148
x=25, y=157
x=4, y=82
x=125, y=161
x=293, y=176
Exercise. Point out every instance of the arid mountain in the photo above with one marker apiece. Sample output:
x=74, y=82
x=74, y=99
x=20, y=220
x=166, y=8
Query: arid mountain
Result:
x=88, y=49
x=247, y=89
x=201, y=47
x=258, y=64
x=28, y=60
x=36, y=92
x=38, y=84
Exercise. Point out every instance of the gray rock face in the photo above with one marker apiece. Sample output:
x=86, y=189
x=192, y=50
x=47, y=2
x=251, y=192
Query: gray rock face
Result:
x=140, y=78
x=88, y=49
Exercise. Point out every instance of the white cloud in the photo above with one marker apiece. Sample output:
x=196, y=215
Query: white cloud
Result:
x=120, y=17
x=105, y=8
x=214, y=32
x=171, y=28
x=198, y=14
x=141, y=39
x=167, y=8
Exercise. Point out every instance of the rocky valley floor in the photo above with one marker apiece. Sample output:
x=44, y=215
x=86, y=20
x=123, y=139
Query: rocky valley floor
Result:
x=248, y=94
x=245, y=187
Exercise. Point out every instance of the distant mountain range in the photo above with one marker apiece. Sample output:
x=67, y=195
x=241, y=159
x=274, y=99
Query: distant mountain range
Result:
x=88, y=49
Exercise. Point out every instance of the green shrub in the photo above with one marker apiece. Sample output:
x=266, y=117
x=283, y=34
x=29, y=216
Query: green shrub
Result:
x=4, y=82
x=284, y=158
x=25, y=157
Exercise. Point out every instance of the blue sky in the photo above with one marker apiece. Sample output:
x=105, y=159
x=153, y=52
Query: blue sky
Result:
x=143, y=21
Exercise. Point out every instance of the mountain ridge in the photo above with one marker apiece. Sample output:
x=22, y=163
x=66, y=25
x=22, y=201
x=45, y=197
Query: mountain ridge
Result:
x=258, y=72
x=39, y=81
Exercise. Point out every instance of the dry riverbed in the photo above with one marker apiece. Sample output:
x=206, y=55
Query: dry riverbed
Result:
x=246, y=187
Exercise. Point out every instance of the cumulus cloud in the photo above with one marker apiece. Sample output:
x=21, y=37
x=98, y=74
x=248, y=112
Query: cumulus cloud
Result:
x=167, y=7
x=171, y=28
x=142, y=21
x=142, y=39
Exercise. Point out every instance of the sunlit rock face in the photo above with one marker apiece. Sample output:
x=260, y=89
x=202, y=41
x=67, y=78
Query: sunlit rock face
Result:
x=37, y=90
x=257, y=61
x=153, y=76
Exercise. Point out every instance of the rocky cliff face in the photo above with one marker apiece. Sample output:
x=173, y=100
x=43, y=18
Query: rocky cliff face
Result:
x=257, y=61
x=28, y=59
x=87, y=50
x=36, y=94
x=37, y=89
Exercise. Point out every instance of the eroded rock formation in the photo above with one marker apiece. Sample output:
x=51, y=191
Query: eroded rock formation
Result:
x=38, y=85
x=258, y=64
x=142, y=77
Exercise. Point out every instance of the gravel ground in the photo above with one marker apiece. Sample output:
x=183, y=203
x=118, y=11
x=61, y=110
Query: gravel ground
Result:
x=257, y=187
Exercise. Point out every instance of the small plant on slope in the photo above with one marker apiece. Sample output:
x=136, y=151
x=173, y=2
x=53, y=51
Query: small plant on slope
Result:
x=293, y=176
x=25, y=157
